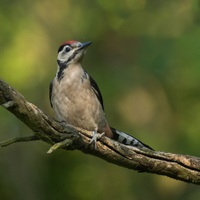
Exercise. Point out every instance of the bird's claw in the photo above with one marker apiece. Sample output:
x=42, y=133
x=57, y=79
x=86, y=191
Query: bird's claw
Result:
x=95, y=137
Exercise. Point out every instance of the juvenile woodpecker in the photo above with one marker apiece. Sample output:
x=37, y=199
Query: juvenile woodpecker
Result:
x=76, y=98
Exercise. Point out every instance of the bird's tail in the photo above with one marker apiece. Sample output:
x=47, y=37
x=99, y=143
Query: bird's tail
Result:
x=127, y=139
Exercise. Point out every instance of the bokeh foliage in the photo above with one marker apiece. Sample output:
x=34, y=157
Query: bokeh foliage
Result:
x=146, y=59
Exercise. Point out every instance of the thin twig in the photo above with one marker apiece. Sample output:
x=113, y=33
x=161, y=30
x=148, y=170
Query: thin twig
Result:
x=18, y=139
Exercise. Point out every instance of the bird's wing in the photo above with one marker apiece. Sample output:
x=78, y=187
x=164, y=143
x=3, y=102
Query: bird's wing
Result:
x=50, y=92
x=96, y=90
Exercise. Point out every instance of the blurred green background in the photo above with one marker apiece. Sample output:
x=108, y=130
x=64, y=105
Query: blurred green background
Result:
x=145, y=58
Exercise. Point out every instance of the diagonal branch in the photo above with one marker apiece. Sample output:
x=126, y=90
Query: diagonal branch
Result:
x=181, y=167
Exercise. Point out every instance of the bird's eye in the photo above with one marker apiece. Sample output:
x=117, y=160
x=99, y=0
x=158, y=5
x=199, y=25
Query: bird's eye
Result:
x=67, y=49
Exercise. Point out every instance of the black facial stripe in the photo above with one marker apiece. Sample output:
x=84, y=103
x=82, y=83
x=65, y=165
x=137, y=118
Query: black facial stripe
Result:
x=62, y=66
x=71, y=57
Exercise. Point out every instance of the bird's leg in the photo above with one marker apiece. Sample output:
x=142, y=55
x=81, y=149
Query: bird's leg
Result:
x=95, y=137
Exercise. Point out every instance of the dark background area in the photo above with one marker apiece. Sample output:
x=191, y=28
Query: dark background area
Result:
x=145, y=58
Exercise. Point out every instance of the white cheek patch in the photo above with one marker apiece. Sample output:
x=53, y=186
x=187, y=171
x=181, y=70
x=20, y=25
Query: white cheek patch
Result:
x=63, y=56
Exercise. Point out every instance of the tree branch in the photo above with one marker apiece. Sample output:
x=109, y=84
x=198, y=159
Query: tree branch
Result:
x=181, y=167
x=18, y=139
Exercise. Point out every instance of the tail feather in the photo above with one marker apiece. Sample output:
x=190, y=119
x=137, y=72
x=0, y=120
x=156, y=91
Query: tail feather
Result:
x=127, y=139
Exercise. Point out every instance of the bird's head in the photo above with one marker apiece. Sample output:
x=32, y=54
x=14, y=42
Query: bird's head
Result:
x=71, y=52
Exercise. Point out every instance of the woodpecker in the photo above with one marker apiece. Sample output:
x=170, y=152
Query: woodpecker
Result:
x=76, y=98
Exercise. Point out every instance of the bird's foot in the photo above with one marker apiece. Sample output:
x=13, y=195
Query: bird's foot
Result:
x=95, y=137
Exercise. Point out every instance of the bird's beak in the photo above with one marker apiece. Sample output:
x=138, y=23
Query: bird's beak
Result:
x=84, y=45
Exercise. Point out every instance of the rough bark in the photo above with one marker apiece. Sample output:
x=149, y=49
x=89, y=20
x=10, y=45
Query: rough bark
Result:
x=181, y=167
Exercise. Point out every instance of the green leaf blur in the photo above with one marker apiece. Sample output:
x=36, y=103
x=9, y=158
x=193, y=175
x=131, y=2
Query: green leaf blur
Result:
x=145, y=58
